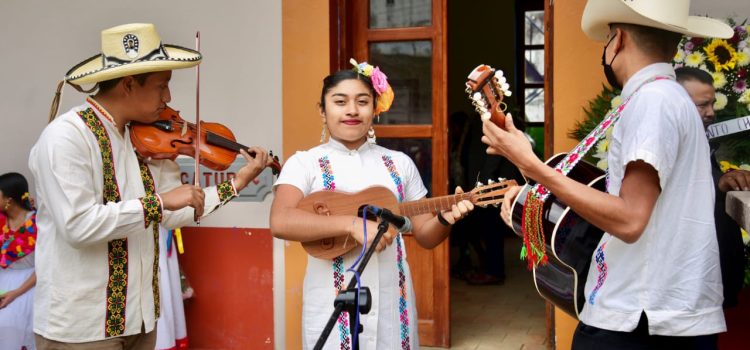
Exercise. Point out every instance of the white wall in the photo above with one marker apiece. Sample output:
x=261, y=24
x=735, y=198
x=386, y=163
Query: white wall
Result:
x=240, y=74
x=739, y=9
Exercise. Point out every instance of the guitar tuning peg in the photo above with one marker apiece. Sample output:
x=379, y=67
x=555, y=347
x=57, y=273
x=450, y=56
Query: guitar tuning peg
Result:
x=501, y=179
x=498, y=74
x=468, y=89
x=479, y=184
x=476, y=96
x=485, y=116
x=483, y=205
x=490, y=182
x=506, y=86
x=495, y=205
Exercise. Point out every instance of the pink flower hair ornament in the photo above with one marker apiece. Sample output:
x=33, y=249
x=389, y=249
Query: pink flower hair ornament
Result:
x=379, y=82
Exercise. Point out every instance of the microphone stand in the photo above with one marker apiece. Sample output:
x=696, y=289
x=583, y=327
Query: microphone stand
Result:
x=348, y=299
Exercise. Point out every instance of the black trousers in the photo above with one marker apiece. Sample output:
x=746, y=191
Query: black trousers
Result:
x=593, y=338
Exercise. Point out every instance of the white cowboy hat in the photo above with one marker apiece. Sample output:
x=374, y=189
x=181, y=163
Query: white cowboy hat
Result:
x=670, y=15
x=131, y=49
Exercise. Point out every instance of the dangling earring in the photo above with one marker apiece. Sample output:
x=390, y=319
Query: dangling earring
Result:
x=371, y=135
x=323, y=134
x=7, y=205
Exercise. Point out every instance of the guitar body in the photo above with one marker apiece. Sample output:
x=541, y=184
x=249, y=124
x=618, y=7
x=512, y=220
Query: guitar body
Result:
x=342, y=203
x=570, y=241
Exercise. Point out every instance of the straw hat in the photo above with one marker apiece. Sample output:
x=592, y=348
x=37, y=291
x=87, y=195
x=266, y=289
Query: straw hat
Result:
x=131, y=49
x=670, y=15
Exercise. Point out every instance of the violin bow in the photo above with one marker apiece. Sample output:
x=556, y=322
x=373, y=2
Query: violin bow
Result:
x=196, y=178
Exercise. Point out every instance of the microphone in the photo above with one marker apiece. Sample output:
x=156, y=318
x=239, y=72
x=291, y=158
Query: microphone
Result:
x=401, y=223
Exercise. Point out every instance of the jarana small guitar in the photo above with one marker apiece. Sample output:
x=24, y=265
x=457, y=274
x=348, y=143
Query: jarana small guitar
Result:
x=341, y=203
x=570, y=240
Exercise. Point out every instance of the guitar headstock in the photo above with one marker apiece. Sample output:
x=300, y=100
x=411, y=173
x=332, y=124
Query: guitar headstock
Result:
x=486, y=88
x=493, y=193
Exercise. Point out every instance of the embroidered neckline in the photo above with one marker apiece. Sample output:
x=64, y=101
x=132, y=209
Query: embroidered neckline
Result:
x=101, y=110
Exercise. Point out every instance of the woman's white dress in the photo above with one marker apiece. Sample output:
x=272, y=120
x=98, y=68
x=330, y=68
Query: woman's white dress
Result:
x=392, y=321
x=16, y=329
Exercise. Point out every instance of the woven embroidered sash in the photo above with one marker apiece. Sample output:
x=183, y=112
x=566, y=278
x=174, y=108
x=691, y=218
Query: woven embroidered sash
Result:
x=117, y=282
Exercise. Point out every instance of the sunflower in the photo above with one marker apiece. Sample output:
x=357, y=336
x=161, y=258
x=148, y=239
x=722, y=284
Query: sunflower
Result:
x=721, y=54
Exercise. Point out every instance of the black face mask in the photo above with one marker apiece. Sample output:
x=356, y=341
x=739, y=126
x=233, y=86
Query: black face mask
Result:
x=608, y=71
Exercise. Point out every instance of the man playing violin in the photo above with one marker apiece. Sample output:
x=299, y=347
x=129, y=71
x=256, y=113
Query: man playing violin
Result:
x=100, y=204
x=654, y=280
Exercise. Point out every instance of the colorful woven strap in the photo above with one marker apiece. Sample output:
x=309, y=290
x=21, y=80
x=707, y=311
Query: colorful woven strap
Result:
x=403, y=306
x=117, y=249
x=534, y=249
x=152, y=213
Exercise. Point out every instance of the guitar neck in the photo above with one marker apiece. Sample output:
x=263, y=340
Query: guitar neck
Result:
x=431, y=205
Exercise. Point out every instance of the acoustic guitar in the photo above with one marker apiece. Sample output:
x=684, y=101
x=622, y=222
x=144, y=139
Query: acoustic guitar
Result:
x=570, y=240
x=342, y=203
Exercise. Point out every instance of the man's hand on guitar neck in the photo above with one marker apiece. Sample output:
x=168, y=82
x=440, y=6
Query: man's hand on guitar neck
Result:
x=510, y=143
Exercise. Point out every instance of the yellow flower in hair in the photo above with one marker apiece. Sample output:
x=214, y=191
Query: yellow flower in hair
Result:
x=25, y=196
x=379, y=83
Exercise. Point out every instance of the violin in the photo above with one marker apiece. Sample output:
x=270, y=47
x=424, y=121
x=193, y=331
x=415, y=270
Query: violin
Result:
x=171, y=136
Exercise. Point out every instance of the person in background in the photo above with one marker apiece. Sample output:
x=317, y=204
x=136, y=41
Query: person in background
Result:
x=171, y=329
x=700, y=86
x=18, y=234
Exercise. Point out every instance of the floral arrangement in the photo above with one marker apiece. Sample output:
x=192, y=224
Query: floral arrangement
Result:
x=728, y=62
x=379, y=82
